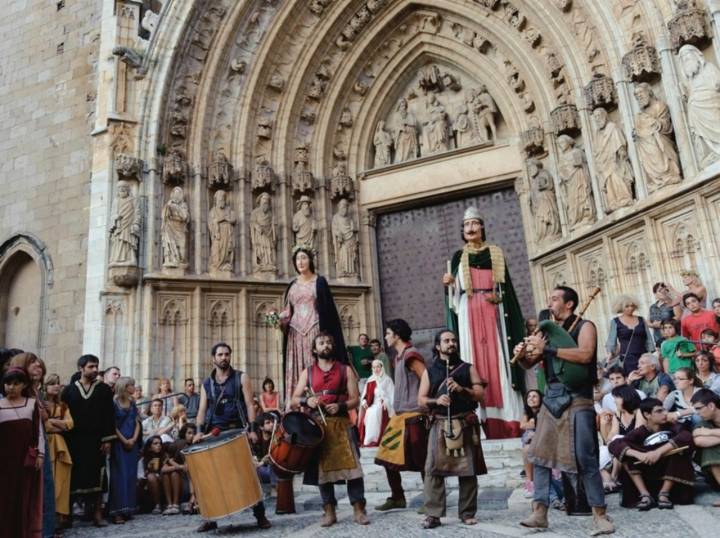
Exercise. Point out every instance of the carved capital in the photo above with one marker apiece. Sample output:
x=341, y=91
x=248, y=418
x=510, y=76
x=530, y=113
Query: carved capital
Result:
x=688, y=26
x=128, y=167
x=641, y=64
x=533, y=141
x=175, y=167
x=600, y=92
x=565, y=120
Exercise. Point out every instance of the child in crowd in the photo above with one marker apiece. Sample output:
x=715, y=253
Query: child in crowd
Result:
x=269, y=398
x=154, y=457
x=179, y=417
x=709, y=342
x=172, y=473
x=532, y=403
x=676, y=350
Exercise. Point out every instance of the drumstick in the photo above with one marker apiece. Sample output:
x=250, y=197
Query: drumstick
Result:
x=312, y=394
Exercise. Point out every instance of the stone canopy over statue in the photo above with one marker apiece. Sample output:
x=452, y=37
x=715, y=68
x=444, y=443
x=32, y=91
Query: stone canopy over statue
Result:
x=484, y=311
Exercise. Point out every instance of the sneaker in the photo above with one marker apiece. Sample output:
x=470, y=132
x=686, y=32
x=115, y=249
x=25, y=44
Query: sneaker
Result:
x=391, y=504
x=529, y=489
x=156, y=511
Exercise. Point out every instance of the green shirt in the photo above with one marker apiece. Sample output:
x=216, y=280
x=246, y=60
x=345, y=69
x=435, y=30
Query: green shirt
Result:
x=670, y=348
x=360, y=355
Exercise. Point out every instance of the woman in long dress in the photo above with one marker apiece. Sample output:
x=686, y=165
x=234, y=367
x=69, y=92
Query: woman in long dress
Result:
x=125, y=452
x=309, y=309
x=59, y=420
x=376, y=405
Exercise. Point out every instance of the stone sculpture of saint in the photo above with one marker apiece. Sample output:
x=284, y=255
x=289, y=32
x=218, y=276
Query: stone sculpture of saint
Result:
x=484, y=109
x=703, y=106
x=463, y=128
x=613, y=167
x=345, y=241
x=174, y=230
x=653, y=140
x=221, y=223
x=263, y=235
x=383, y=143
x=437, y=133
x=406, y=137
x=304, y=225
x=125, y=227
x=543, y=202
x=575, y=179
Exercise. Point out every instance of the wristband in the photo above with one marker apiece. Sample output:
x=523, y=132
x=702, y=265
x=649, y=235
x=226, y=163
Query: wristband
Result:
x=303, y=401
x=342, y=407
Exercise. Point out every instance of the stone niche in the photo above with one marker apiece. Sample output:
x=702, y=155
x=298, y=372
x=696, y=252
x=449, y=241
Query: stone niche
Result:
x=437, y=108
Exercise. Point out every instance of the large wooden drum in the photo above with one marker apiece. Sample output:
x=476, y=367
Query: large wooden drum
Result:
x=223, y=475
x=294, y=442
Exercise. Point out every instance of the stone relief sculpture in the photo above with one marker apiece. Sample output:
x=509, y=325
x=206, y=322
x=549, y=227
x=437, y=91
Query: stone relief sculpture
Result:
x=345, y=242
x=383, y=143
x=174, y=230
x=304, y=225
x=220, y=171
x=221, y=223
x=263, y=235
x=436, y=131
x=341, y=184
x=302, y=178
x=613, y=167
x=653, y=139
x=406, y=137
x=125, y=227
x=703, y=102
x=483, y=110
x=575, y=179
x=543, y=203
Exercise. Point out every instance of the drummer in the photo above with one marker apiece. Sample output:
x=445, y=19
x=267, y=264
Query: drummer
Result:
x=331, y=387
x=226, y=404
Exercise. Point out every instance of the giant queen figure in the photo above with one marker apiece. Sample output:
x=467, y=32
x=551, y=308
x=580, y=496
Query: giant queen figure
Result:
x=484, y=311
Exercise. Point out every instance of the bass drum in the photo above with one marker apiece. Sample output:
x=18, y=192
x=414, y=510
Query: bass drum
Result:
x=294, y=442
x=223, y=475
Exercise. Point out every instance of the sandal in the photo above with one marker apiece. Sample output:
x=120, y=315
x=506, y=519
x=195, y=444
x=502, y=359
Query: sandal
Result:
x=431, y=522
x=645, y=503
x=664, y=502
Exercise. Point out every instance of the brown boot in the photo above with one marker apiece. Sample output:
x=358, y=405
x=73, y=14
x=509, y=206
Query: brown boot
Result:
x=359, y=514
x=329, y=518
x=538, y=518
x=602, y=524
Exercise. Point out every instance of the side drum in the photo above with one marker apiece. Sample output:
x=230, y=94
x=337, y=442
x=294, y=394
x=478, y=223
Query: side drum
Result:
x=294, y=443
x=223, y=475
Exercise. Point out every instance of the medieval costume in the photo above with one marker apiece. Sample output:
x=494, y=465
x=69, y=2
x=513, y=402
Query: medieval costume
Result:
x=60, y=458
x=676, y=467
x=453, y=446
x=378, y=395
x=21, y=492
x=403, y=445
x=94, y=417
x=485, y=314
x=311, y=308
x=123, y=463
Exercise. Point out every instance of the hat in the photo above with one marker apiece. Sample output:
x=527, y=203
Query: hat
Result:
x=472, y=213
x=303, y=199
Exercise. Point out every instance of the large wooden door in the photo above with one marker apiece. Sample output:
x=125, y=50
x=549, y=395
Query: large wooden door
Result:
x=414, y=246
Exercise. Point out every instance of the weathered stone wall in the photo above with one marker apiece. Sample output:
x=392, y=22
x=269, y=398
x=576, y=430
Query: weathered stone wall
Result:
x=47, y=99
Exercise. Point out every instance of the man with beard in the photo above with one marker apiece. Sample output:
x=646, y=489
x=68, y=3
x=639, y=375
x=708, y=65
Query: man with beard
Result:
x=226, y=403
x=90, y=403
x=454, y=442
x=332, y=386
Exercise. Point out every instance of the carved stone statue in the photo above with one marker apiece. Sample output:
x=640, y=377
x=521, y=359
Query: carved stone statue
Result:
x=613, y=167
x=703, y=107
x=221, y=223
x=302, y=178
x=345, y=242
x=263, y=235
x=341, y=184
x=304, y=225
x=437, y=133
x=543, y=203
x=483, y=110
x=406, y=138
x=383, y=145
x=653, y=140
x=575, y=179
x=125, y=227
x=174, y=230
x=465, y=134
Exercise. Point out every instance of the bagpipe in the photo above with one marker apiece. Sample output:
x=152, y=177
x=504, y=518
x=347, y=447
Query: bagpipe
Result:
x=571, y=374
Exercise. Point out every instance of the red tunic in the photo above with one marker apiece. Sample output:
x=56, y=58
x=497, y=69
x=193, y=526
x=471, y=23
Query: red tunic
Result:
x=331, y=386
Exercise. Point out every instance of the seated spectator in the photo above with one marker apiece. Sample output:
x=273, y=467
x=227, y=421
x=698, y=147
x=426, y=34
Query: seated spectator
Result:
x=143, y=405
x=532, y=404
x=157, y=423
x=678, y=401
x=616, y=424
x=698, y=319
x=709, y=342
x=179, y=417
x=173, y=474
x=190, y=399
x=376, y=405
x=154, y=457
x=269, y=398
x=186, y=437
x=616, y=377
x=649, y=379
x=261, y=450
x=706, y=371
x=706, y=435
x=651, y=476
x=163, y=392
x=666, y=308
x=676, y=350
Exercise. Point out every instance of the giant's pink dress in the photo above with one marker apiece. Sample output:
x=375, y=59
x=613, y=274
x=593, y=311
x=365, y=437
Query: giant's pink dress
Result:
x=302, y=329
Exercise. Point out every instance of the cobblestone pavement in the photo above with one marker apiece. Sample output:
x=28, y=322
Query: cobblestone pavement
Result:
x=501, y=505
